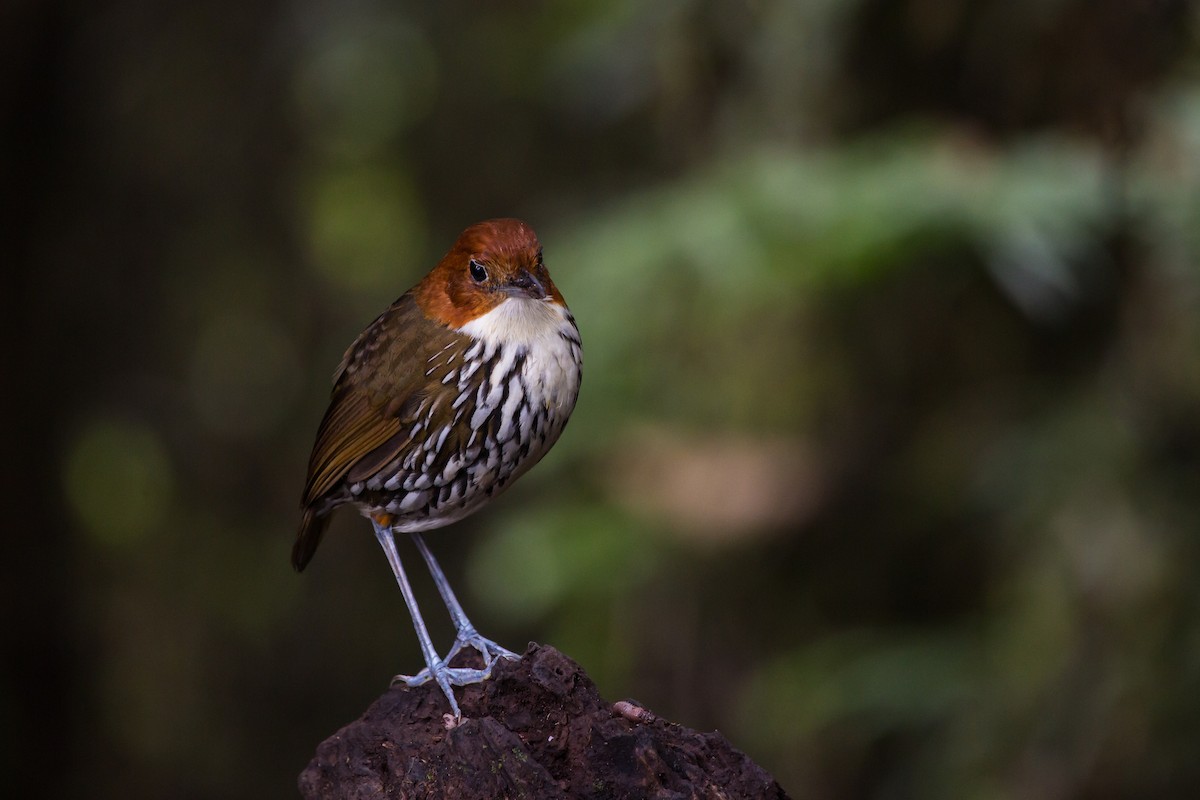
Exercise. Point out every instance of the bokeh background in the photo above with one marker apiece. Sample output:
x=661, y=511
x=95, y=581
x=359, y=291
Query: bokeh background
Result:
x=886, y=461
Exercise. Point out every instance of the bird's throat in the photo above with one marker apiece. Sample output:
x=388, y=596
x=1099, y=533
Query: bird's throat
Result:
x=520, y=321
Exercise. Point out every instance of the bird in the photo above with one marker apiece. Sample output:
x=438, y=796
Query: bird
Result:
x=438, y=406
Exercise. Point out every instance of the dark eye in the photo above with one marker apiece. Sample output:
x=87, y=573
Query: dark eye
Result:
x=478, y=273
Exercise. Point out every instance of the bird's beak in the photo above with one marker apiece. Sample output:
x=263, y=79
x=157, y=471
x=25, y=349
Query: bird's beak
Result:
x=524, y=284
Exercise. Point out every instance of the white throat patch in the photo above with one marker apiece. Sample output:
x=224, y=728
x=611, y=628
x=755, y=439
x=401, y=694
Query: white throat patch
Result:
x=519, y=321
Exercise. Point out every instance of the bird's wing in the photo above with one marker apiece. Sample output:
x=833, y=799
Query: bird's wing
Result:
x=388, y=379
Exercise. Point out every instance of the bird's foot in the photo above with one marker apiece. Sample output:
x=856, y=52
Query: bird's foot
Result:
x=461, y=676
x=491, y=651
x=445, y=676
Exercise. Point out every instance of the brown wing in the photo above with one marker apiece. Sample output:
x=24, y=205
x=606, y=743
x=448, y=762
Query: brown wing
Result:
x=381, y=388
x=353, y=428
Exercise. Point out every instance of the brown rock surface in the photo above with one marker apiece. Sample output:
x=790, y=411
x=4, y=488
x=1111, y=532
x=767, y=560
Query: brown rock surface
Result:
x=537, y=729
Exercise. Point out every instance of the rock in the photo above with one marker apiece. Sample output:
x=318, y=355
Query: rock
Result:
x=537, y=729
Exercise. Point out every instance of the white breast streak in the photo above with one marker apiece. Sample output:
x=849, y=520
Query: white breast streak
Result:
x=543, y=328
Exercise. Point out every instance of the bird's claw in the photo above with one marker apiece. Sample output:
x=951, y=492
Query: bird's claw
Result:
x=454, y=676
x=461, y=676
x=485, y=647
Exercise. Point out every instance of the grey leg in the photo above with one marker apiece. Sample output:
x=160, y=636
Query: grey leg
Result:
x=435, y=667
x=466, y=635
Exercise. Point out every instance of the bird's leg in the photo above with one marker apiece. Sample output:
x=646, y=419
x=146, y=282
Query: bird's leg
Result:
x=465, y=633
x=435, y=667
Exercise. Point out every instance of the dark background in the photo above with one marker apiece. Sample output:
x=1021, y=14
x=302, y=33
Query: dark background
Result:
x=886, y=457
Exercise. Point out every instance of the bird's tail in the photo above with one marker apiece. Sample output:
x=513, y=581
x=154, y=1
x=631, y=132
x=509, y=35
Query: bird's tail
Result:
x=312, y=528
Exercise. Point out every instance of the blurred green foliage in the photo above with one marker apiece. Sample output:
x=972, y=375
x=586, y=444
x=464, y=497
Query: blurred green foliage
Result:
x=886, y=457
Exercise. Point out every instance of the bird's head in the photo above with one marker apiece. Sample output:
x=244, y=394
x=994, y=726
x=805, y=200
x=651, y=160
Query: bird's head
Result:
x=494, y=265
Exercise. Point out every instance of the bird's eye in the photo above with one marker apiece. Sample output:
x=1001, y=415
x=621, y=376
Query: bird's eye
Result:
x=478, y=273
